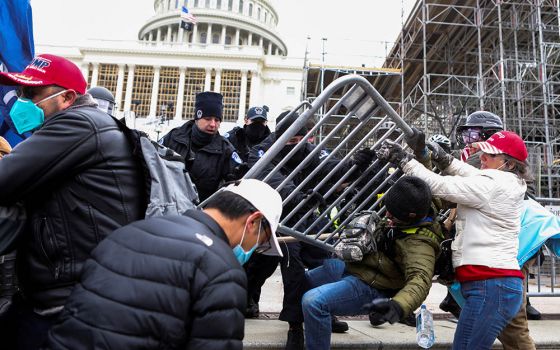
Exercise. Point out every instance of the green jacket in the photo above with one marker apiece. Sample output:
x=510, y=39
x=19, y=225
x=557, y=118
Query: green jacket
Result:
x=405, y=271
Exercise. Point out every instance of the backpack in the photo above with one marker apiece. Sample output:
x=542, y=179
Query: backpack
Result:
x=169, y=189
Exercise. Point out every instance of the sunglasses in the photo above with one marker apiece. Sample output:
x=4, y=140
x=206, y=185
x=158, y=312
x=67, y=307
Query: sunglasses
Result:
x=266, y=244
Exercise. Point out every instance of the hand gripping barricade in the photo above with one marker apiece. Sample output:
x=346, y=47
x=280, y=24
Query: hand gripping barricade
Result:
x=354, y=116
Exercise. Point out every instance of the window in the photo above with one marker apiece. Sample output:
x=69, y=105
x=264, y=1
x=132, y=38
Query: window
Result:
x=228, y=39
x=207, y=4
x=265, y=17
x=215, y=38
x=290, y=90
x=241, y=6
x=250, y=10
x=203, y=37
x=218, y=4
x=259, y=13
x=195, y=3
x=230, y=5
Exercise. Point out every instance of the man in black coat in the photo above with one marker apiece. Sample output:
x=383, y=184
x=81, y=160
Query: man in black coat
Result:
x=252, y=133
x=76, y=158
x=209, y=158
x=173, y=282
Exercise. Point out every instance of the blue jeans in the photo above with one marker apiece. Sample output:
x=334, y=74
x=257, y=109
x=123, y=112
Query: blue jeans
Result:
x=490, y=305
x=333, y=293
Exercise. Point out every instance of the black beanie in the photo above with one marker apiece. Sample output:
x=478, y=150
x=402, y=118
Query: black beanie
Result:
x=409, y=199
x=208, y=104
x=282, y=124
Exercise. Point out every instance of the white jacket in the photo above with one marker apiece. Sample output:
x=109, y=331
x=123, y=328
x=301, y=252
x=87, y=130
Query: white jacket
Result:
x=489, y=207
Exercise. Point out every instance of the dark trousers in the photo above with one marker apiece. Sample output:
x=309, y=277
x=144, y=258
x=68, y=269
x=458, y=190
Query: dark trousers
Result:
x=23, y=329
x=297, y=256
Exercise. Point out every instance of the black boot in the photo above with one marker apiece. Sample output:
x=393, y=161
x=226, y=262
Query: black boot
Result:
x=252, y=310
x=295, y=337
x=338, y=326
x=450, y=305
x=532, y=313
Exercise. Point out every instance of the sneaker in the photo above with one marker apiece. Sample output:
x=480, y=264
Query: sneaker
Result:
x=532, y=313
x=295, y=339
x=409, y=320
x=252, y=310
x=450, y=305
x=338, y=326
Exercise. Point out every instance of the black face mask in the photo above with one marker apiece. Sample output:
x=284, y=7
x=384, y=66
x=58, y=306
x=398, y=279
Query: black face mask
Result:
x=297, y=158
x=200, y=138
x=255, y=132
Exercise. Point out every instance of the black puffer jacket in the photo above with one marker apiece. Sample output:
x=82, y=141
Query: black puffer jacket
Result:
x=208, y=166
x=164, y=283
x=78, y=158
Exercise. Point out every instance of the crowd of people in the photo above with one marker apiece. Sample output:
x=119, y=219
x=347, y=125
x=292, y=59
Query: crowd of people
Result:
x=94, y=273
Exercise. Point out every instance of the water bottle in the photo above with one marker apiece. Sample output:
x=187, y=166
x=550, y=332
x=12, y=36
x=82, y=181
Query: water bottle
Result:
x=425, y=328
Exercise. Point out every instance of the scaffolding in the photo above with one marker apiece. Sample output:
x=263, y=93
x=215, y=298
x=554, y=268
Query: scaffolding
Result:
x=459, y=56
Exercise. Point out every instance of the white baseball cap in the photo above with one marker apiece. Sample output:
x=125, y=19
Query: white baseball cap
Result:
x=266, y=200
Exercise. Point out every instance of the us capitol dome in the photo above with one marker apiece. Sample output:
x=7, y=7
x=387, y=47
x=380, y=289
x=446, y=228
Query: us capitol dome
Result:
x=234, y=49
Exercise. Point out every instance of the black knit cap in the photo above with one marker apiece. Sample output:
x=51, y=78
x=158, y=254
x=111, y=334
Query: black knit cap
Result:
x=409, y=199
x=208, y=104
x=282, y=124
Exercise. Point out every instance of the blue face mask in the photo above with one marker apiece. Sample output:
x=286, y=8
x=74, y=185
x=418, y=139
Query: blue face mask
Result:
x=241, y=255
x=26, y=116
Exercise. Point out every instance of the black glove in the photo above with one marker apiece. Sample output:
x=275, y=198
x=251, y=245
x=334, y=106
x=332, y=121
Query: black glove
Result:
x=417, y=143
x=392, y=152
x=385, y=310
x=441, y=158
x=312, y=198
x=363, y=158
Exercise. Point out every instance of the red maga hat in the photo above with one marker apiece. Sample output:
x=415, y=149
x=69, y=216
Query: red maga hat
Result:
x=48, y=70
x=504, y=142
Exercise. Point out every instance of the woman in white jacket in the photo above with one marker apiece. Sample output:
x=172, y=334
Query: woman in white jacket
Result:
x=489, y=204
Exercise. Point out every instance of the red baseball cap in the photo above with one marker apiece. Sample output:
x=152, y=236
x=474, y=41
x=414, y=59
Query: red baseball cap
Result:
x=504, y=142
x=48, y=70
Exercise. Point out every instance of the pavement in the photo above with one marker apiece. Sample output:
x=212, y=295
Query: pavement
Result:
x=268, y=332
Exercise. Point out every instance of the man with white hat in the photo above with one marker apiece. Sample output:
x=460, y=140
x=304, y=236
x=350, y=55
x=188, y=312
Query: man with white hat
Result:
x=176, y=283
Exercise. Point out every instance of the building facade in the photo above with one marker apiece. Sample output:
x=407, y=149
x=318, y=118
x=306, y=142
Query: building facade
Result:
x=233, y=49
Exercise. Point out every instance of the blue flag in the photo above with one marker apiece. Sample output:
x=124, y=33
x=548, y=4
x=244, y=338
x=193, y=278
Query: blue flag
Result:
x=16, y=51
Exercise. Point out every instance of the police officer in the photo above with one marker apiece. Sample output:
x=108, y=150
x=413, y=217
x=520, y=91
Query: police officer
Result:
x=209, y=157
x=252, y=133
x=104, y=98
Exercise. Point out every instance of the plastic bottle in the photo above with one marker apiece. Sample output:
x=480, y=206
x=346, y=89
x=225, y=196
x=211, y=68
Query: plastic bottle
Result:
x=425, y=328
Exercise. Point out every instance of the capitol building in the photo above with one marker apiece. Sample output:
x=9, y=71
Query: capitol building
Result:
x=234, y=49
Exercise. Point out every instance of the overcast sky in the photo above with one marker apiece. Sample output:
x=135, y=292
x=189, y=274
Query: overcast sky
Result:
x=357, y=31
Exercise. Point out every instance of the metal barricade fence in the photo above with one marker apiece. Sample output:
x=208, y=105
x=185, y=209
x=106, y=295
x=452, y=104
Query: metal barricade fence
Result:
x=351, y=122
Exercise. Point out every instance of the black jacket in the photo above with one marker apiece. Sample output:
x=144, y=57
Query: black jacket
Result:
x=242, y=144
x=208, y=166
x=79, y=157
x=175, y=285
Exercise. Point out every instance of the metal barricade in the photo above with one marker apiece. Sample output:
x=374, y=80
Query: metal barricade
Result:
x=351, y=122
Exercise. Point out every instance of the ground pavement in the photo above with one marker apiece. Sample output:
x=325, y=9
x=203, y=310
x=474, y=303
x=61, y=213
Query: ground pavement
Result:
x=269, y=333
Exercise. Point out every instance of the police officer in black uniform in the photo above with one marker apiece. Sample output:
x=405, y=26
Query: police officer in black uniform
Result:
x=252, y=133
x=209, y=158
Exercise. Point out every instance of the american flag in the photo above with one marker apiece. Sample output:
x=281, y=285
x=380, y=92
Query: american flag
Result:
x=187, y=16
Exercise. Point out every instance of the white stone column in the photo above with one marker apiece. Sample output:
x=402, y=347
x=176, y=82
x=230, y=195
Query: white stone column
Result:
x=254, y=99
x=242, y=97
x=237, y=37
x=250, y=39
x=158, y=35
x=218, y=80
x=261, y=42
x=120, y=82
x=269, y=51
x=155, y=88
x=94, y=75
x=85, y=70
x=277, y=51
x=208, y=79
x=223, y=36
x=180, y=34
x=129, y=86
x=151, y=36
x=209, y=34
x=180, y=94
x=195, y=34
x=168, y=34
